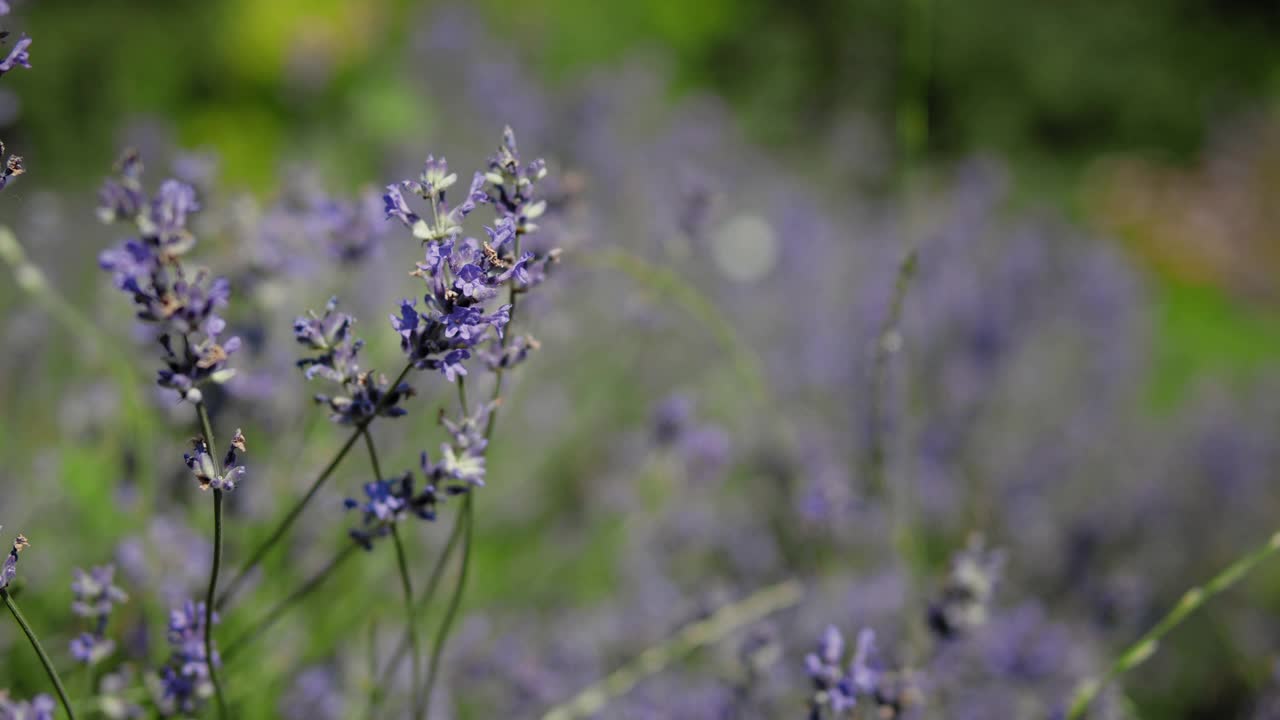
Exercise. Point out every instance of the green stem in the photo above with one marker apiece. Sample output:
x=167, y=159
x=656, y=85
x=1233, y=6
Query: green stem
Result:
x=411, y=627
x=455, y=601
x=207, y=429
x=256, y=557
x=275, y=613
x=44, y=657
x=406, y=585
x=900, y=497
x=887, y=345
x=467, y=518
x=1149, y=643
x=419, y=610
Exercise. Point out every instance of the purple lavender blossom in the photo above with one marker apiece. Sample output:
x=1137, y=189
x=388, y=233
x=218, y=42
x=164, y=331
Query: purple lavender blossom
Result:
x=336, y=347
x=462, y=273
x=184, y=680
x=386, y=501
x=838, y=689
x=313, y=695
x=462, y=460
x=94, y=596
x=18, y=56
x=181, y=304
x=201, y=464
x=832, y=688
x=9, y=570
x=41, y=707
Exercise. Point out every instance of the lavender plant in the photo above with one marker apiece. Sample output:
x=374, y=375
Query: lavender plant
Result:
x=41, y=707
x=845, y=415
x=182, y=306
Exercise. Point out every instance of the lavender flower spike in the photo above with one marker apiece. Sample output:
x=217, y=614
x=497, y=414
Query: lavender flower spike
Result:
x=41, y=707
x=94, y=596
x=202, y=465
x=185, y=681
x=9, y=570
x=18, y=56
x=387, y=501
x=12, y=167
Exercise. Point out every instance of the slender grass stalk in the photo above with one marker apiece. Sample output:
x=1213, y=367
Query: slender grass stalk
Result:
x=1147, y=645
x=888, y=342
x=259, y=628
x=406, y=584
x=900, y=496
x=721, y=623
x=373, y=662
x=260, y=552
x=207, y=428
x=44, y=657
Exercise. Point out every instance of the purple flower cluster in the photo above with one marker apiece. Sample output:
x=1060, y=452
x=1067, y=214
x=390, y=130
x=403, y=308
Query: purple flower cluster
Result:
x=181, y=303
x=462, y=273
x=308, y=229
x=364, y=394
x=41, y=707
x=18, y=55
x=202, y=466
x=94, y=596
x=386, y=501
x=838, y=688
x=185, y=683
x=461, y=465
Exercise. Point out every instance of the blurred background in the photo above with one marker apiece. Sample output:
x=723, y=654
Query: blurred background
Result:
x=1087, y=373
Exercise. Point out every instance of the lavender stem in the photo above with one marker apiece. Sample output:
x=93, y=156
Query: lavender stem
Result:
x=207, y=429
x=256, y=557
x=437, y=650
x=257, y=629
x=44, y=657
x=419, y=609
x=405, y=584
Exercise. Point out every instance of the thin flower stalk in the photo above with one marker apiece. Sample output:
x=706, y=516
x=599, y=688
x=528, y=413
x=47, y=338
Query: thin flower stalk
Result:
x=207, y=428
x=420, y=608
x=281, y=528
x=406, y=584
x=259, y=628
x=44, y=656
x=467, y=521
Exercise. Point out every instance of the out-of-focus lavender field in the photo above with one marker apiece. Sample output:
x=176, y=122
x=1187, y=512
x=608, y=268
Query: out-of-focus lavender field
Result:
x=860, y=418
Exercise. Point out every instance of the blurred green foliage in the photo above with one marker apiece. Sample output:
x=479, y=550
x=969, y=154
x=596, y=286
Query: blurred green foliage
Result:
x=1049, y=85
